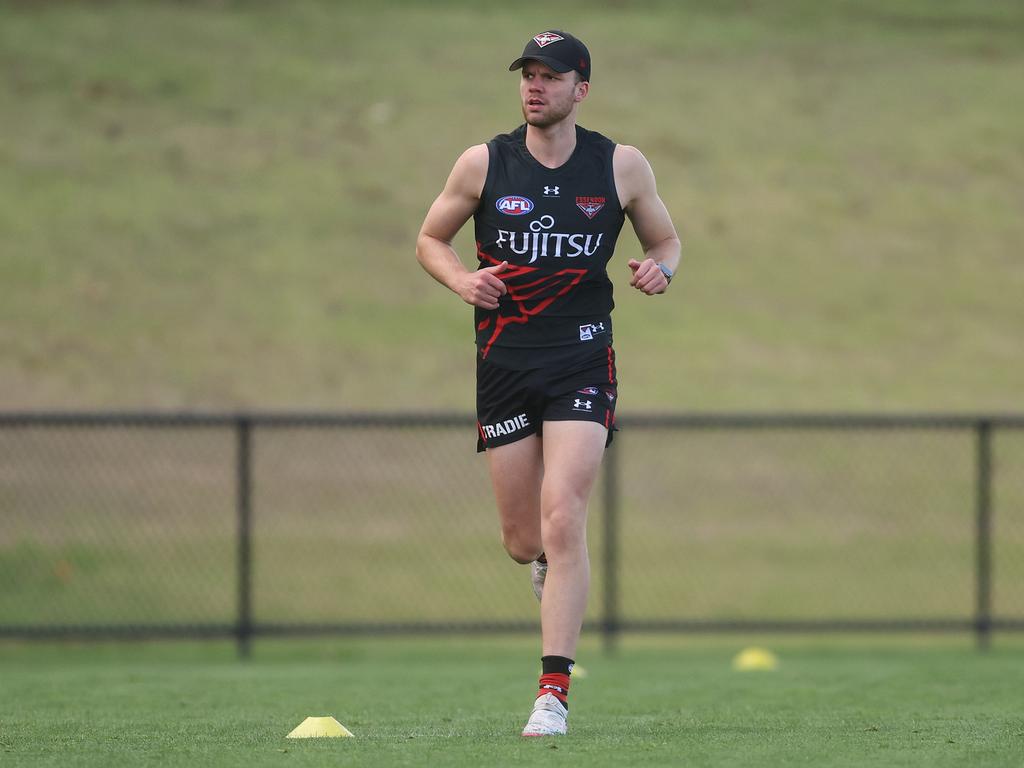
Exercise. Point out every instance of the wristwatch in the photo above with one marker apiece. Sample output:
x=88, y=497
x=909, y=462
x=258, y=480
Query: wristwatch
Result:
x=666, y=272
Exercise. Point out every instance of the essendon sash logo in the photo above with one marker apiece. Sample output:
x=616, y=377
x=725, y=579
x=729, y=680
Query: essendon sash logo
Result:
x=590, y=205
x=547, y=38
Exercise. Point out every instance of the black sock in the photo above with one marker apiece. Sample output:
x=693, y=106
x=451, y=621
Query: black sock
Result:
x=556, y=665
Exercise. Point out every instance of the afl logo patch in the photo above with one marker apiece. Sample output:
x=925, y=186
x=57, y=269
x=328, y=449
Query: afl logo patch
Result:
x=514, y=205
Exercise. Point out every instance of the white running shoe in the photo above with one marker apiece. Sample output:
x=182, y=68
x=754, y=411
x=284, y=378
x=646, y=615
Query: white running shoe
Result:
x=548, y=717
x=539, y=572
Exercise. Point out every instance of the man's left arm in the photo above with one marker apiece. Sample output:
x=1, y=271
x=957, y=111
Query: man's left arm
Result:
x=638, y=193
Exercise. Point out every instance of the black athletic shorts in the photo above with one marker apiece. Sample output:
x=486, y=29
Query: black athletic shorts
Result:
x=511, y=405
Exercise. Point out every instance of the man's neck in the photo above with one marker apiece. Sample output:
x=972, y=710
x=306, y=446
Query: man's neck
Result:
x=552, y=146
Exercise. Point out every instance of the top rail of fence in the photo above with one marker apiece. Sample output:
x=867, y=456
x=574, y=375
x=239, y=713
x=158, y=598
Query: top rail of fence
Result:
x=423, y=419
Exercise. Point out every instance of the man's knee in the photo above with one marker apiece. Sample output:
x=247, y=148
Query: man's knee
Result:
x=521, y=547
x=564, y=528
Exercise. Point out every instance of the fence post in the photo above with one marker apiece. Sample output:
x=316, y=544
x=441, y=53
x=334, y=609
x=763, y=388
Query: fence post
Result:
x=610, y=619
x=243, y=499
x=983, y=606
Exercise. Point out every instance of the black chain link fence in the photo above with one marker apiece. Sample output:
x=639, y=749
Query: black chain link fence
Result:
x=130, y=525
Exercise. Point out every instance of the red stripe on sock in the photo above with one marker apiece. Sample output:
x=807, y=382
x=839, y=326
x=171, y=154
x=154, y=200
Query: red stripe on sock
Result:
x=556, y=684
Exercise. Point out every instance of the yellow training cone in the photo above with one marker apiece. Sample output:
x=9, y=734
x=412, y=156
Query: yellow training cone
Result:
x=754, y=659
x=319, y=728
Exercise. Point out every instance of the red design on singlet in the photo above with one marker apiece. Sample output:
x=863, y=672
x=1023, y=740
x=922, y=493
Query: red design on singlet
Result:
x=528, y=298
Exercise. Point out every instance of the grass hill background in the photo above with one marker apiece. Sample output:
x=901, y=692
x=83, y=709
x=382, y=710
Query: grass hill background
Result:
x=214, y=204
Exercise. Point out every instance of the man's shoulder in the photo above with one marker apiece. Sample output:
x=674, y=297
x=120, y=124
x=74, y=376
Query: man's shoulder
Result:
x=470, y=170
x=473, y=159
x=630, y=161
x=629, y=155
x=633, y=174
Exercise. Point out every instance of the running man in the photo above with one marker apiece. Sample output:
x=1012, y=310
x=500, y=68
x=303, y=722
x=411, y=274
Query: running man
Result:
x=548, y=201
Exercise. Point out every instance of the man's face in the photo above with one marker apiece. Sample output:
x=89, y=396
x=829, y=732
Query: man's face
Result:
x=548, y=96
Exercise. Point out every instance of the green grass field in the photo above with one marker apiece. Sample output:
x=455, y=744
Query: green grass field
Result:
x=213, y=204
x=462, y=703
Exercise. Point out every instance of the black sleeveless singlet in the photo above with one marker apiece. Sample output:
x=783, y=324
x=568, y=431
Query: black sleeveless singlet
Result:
x=557, y=229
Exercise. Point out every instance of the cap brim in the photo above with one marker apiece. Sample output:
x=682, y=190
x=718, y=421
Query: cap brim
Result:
x=555, y=64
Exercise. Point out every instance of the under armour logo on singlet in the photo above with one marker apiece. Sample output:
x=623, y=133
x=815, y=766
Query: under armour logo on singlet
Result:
x=550, y=191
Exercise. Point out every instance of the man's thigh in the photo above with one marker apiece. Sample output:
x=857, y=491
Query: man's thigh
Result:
x=517, y=470
x=572, y=459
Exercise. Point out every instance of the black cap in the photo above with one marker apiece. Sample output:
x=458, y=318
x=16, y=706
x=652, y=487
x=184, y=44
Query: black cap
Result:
x=559, y=50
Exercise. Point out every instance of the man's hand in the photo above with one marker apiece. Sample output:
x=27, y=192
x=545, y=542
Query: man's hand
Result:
x=647, y=276
x=483, y=287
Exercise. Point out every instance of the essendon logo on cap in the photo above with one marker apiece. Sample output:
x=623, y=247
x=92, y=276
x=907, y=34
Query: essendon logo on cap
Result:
x=590, y=205
x=547, y=38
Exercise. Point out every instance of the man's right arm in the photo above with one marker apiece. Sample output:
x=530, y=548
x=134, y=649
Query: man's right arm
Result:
x=449, y=212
